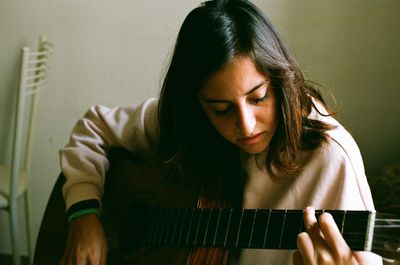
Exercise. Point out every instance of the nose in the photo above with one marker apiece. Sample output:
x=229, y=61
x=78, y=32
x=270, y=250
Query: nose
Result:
x=246, y=120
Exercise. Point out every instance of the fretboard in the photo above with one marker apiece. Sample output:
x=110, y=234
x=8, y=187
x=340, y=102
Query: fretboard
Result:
x=242, y=228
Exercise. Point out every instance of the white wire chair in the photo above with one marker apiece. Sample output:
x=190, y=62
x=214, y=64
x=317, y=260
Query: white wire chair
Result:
x=14, y=177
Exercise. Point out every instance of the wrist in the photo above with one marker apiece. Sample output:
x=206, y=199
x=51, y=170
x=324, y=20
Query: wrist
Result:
x=83, y=212
x=82, y=208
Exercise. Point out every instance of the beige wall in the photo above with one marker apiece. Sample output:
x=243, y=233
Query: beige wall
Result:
x=113, y=52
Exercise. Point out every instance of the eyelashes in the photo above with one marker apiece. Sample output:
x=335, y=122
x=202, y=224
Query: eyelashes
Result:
x=264, y=98
x=231, y=108
x=223, y=113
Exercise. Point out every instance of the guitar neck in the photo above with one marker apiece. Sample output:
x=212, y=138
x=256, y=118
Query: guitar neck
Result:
x=244, y=228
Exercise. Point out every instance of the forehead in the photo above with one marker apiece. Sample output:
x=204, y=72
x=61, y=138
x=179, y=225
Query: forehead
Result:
x=236, y=78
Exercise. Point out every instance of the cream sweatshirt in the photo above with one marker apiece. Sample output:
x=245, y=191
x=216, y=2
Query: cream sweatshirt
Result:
x=333, y=176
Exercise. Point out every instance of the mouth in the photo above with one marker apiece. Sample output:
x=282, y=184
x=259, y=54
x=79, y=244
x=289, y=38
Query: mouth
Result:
x=252, y=139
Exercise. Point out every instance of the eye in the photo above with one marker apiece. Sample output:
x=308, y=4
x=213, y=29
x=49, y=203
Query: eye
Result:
x=262, y=99
x=223, y=113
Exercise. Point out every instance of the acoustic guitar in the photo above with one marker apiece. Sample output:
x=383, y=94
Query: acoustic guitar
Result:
x=148, y=220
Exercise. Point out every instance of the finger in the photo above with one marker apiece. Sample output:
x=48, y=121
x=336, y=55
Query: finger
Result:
x=333, y=237
x=310, y=221
x=309, y=218
x=321, y=253
x=297, y=258
x=103, y=258
x=312, y=227
x=306, y=248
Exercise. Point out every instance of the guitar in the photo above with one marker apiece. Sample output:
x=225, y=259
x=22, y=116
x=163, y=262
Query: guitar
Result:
x=150, y=221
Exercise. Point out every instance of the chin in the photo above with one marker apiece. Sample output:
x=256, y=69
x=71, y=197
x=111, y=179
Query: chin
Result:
x=253, y=150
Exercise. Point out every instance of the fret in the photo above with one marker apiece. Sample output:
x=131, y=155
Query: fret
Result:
x=252, y=227
x=242, y=228
x=220, y=235
x=181, y=229
x=355, y=229
x=170, y=220
x=260, y=228
x=246, y=228
x=211, y=228
x=234, y=222
x=162, y=225
x=240, y=225
x=189, y=227
x=194, y=228
x=155, y=226
x=228, y=227
x=150, y=228
x=216, y=227
x=301, y=223
x=208, y=223
x=291, y=227
x=343, y=220
x=198, y=226
x=166, y=225
x=283, y=226
x=274, y=229
x=266, y=230
x=178, y=213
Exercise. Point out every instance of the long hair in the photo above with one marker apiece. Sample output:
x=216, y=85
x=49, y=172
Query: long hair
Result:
x=211, y=36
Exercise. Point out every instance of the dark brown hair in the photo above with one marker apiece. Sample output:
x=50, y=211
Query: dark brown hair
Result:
x=210, y=38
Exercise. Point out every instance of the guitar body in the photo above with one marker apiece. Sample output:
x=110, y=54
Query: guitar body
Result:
x=128, y=182
x=132, y=182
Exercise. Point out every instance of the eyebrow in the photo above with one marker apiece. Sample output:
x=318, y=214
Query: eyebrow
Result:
x=247, y=93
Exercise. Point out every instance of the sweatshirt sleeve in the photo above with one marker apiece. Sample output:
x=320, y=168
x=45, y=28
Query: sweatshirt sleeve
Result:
x=84, y=159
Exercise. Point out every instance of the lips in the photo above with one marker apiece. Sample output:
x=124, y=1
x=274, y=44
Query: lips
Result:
x=252, y=139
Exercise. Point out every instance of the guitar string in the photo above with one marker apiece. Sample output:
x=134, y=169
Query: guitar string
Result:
x=384, y=222
x=381, y=223
x=355, y=220
x=376, y=242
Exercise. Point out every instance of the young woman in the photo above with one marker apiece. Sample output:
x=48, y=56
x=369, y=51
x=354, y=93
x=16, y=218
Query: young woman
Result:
x=236, y=114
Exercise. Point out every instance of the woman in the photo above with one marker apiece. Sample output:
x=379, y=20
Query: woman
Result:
x=236, y=114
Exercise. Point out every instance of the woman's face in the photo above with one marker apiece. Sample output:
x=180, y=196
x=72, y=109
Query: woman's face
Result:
x=241, y=104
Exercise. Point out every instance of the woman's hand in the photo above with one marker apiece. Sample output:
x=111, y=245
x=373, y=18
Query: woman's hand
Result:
x=86, y=244
x=322, y=243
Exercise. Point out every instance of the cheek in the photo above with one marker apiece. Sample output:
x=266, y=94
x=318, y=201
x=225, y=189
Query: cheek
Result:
x=268, y=117
x=222, y=126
